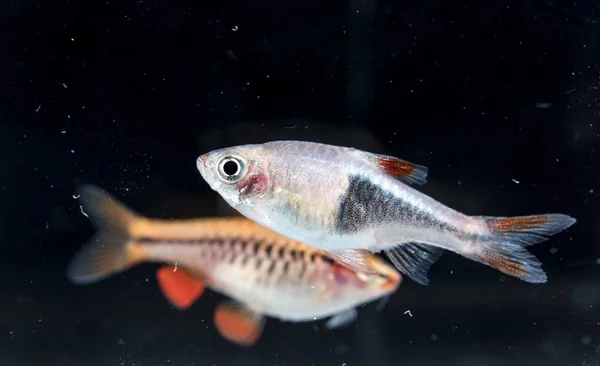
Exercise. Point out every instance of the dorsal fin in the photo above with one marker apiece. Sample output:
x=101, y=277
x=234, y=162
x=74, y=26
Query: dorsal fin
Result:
x=402, y=170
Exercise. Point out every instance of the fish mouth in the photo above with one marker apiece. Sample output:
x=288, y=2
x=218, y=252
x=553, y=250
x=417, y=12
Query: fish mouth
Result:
x=393, y=282
x=201, y=164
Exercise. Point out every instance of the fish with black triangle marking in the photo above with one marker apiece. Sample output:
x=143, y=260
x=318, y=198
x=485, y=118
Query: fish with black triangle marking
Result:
x=264, y=273
x=352, y=203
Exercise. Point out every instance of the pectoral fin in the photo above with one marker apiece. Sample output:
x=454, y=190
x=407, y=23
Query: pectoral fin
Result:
x=358, y=260
x=342, y=319
x=238, y=324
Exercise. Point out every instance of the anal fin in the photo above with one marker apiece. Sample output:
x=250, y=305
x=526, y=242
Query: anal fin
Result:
x=342, y=319
x=358, y=260
x=179, y=286
x=414, y=259
x=238, y=324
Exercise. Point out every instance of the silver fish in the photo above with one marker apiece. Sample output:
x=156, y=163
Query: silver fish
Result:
x=351, y=202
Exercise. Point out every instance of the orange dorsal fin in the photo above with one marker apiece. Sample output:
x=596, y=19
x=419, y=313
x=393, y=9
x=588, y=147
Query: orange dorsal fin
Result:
x=402, y=170
x=238, y=324
x=179, y=286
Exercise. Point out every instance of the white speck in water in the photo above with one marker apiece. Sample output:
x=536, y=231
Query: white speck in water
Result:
x=38, y=108
x=76, y=196
x=553, y=250
x=433, y=337
x=83, y=212
x=543, y=105
x=72, y=151
x=64, y=85
x=63, y=131
x=586, y=340
x=408, y=312
x=516, y=181
x=235, y=28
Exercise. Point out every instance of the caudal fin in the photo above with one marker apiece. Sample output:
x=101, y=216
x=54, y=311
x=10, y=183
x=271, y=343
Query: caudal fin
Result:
x=110, y=251
x=504, y=246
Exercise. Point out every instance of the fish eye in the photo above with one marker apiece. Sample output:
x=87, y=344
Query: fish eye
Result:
x=231, y=169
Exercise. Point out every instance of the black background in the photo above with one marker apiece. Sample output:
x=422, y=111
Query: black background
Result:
x=498, y=98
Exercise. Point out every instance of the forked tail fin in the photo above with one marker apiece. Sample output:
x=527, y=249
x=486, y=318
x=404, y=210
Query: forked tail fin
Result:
x=504, y=245
x=110, y=251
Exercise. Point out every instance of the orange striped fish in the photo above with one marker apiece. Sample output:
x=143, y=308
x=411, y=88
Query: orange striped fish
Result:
x=266, y=274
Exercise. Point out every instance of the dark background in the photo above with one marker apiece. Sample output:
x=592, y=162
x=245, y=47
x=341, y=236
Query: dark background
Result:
x=498, y=98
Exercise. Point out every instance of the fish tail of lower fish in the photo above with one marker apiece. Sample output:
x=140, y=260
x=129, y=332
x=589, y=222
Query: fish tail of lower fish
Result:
x=503, y=244
x=112, y=249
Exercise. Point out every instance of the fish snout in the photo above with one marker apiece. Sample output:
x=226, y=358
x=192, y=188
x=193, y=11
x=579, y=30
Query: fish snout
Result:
x=201, y=164
x=393, y=280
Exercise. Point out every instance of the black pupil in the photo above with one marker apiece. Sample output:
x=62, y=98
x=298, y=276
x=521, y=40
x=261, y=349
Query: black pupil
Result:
x=230, y=168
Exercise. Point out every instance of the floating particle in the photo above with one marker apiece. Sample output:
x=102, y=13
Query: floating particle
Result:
x=543, y=105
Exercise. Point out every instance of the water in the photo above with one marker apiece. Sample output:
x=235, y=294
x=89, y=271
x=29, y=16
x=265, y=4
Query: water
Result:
x=499, y=100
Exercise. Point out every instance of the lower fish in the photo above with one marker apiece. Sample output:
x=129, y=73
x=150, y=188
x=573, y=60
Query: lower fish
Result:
x=352, y=203
x=264, y=273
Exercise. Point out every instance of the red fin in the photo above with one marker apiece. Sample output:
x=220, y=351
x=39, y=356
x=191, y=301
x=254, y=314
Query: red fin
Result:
x=179, y=287
x=238, y=324
x=403, y=170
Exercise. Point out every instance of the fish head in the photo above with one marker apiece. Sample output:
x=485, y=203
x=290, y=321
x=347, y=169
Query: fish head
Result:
x=237, y=173
x=361, y=286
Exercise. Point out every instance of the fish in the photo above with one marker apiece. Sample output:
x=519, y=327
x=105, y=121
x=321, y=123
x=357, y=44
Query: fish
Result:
x=263, y=273
x=352, y=203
